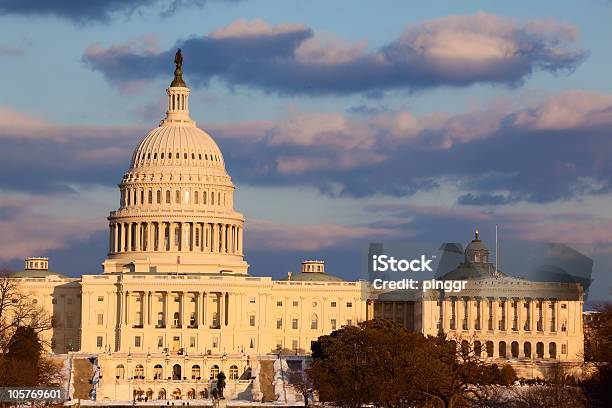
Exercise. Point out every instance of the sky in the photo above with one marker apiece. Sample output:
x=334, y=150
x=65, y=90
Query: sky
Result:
x=341, y=123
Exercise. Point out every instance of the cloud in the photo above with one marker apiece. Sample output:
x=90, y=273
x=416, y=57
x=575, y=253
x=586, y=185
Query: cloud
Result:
x=88, y=11
x=24, y=232
x=10, y=51
x=497, y=155
x=293, y=59
x=312, y=237
x=41, y=156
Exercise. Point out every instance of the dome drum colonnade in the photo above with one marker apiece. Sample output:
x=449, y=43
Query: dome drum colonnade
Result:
x=176, y=207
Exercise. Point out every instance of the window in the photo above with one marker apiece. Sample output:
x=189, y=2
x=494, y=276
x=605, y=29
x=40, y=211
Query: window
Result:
x=150, y=197
x=214, y=372
x=252, y=343
x=177, y=197
x=314, y=322
x=563, y=306
x=192, y=341
x=294, y=344
x=160, y=319
x=69, y=300
x=349, y=304
x=100, y=298
x=279, y=323
x=54, y=301
x=233, y=372
x=333, y=304
x=295, y=303
x=195, y=372
x=294, y=324
x=176, y=319
x=120, y=372
x=158, y=372
x=215, y=342
x=160, y=341
x=279, y=344
x=137, y=341
x=333, y=324
x=100, y=319
x=279, y=303
x=252, y=300
x=252, y=320
x=167, y=196
x=99, y=342
x=139, y=372
x=564, y=349
x=158, y=196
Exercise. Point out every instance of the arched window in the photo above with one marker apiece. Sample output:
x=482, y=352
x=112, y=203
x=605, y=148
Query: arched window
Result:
x=176, y=319
x=185, y=156
x=477, y=348
x=502, y=349
x=158, y=372
x=204, y=198
x=139, y=372
x=214, y=372
x=314, y=322
x=142, y=200
x=527, y=349
x=539, y=349
x=149, y=394
x=150, y=196
x=552, y=350
x=212, y=198
x=177, y=197
x=514, y=349
x=129, y=197
x=195, y=372
x=161, y=394
x=120, y=372
x=167, y=196
x=191, y=394
x=176, y=372
x=177, y=155
x=196, y=197
x=233, y=372
x=219, y=198
x=489, y=349
x=158, y=196
x=186, y=196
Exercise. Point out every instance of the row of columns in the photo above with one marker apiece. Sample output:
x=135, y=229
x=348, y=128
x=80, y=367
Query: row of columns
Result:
x=134, y=197
x=175, y=236
x=499, y=314
x=144, y=301
x=522, y=349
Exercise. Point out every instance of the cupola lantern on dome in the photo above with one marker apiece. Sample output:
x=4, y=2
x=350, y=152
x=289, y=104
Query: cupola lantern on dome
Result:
x=176, y=212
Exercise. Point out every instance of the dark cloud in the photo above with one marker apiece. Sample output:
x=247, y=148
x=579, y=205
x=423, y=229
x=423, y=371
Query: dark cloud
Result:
x=84, y=11
x=292, y=59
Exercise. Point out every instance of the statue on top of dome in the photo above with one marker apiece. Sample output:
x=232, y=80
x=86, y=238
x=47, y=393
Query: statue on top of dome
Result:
x=178, y=59
x=178, y=72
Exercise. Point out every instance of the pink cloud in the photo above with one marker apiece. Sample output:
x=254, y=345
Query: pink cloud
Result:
x=23, y=232
x=271, y=235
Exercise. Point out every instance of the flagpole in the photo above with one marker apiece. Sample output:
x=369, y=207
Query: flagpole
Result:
x=496, y=248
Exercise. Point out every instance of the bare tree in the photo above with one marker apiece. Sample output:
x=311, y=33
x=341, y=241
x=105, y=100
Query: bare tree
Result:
x=18, y=310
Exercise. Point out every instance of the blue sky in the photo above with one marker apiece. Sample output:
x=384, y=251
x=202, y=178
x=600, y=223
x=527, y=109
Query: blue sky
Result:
x=342, y=123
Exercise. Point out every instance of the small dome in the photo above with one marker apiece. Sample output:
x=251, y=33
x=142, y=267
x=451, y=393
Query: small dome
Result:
x=175, y=145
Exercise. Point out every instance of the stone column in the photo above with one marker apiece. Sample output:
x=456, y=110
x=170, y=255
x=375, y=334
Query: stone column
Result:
x=182, y=311
x=223, y=238
x=470, y=312
x=204, y=299
x=166, y=299
x=127, y=307
x=171, y=235
x=545, y=317
x=145, y=308
x=213, y=238
x=138, y=232
x=129, y=237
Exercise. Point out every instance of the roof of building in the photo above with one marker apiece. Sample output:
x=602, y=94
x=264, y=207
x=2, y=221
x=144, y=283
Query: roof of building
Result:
x=314, y=277
x=36, y=273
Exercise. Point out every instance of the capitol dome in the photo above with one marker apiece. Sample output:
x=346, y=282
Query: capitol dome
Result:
x=176, y=208
x=178, y=146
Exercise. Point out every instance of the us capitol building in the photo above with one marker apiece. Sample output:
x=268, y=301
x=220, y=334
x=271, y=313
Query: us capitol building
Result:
x=175, y=304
